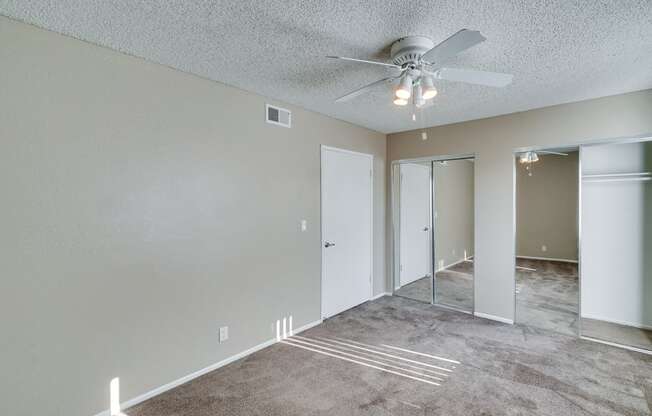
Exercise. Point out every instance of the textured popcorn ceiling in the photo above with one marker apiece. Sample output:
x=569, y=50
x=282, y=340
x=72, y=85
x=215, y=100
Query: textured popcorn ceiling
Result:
x=558, y=50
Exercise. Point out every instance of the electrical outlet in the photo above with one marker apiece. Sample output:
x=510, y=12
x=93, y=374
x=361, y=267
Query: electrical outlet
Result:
x=224, y=333
x=544, y=248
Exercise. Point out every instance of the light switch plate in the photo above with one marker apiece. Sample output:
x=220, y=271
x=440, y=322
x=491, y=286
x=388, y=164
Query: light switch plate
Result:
x=304, y=225
x=224, y=333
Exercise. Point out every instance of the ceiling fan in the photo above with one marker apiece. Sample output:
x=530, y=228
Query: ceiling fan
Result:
x=529, y=157
x=420, y=63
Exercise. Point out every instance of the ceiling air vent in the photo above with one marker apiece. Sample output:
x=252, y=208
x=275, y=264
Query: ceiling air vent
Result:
x=278, y=116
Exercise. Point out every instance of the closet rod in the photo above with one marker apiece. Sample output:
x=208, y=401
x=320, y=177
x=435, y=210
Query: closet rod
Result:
x=616, y=179
x=609, y=175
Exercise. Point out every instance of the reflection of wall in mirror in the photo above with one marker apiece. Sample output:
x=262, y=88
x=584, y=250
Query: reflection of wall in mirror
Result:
x=454, y=211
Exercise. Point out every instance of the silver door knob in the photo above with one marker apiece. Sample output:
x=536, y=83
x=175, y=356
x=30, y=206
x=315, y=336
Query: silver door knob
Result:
x=328, y=244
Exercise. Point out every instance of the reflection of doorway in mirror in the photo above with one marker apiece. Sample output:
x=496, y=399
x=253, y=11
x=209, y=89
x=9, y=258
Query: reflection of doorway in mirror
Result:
x=415, y=259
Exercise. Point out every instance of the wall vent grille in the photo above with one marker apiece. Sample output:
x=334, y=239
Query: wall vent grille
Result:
x=278, y=116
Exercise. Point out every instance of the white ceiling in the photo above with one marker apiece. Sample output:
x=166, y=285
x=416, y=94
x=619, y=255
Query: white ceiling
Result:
x=558, y=50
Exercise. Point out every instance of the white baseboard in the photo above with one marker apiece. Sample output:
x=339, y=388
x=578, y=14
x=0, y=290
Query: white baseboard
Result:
x=380, y=295
x=462, y=260
x=307, y=327
x=615, y=321
x=614, y=344
x=494, y=318
x=546, y=259
x=198, y=373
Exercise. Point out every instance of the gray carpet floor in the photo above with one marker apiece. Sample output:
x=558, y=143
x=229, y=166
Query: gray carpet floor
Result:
x=620, y=334
x=449, y=363
x=547, y=297
x=454, y=287
x=419, y=290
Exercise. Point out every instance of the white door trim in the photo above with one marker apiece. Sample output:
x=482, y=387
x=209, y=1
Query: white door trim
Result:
x=322, y=225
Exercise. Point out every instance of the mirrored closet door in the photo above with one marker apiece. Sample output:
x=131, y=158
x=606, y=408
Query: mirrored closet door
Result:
x=413, y=277
x=616, y=244
x=454, y=236
x=433, y=201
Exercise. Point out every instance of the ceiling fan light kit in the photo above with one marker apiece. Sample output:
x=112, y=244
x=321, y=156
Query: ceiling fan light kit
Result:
x=400, y=101
x=408, y=88
x=419, y=61
x=429, y=90
x=419, y=100
x=532, y=156
x=404, y=89
x=529, y=157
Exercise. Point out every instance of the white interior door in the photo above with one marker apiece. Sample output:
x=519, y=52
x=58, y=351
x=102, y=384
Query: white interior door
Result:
x=347, y=217
x=415, y=255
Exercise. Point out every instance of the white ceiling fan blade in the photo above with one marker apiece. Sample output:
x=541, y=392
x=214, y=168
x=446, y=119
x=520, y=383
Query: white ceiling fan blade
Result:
x=364, y=61
x=471, y=76
x=460, y=41
x=363, y=90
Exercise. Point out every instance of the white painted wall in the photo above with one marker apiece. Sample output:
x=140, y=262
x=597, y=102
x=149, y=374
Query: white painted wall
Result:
x=616, y=250
x=142, y=209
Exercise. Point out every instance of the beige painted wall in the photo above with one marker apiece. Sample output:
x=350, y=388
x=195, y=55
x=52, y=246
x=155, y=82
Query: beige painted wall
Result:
x=546, y=207
x=454, y=208
x=493, y=141
x=142, y=208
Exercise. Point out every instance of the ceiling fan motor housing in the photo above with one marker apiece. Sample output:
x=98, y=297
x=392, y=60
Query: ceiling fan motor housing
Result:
x=408, y=50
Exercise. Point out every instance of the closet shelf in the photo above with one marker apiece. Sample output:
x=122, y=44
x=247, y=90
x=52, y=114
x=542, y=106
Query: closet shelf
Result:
x=618, y=177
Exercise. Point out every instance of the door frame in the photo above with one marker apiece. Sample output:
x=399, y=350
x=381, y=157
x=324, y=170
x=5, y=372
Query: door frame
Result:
x=395, y=231
x=322, y=150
